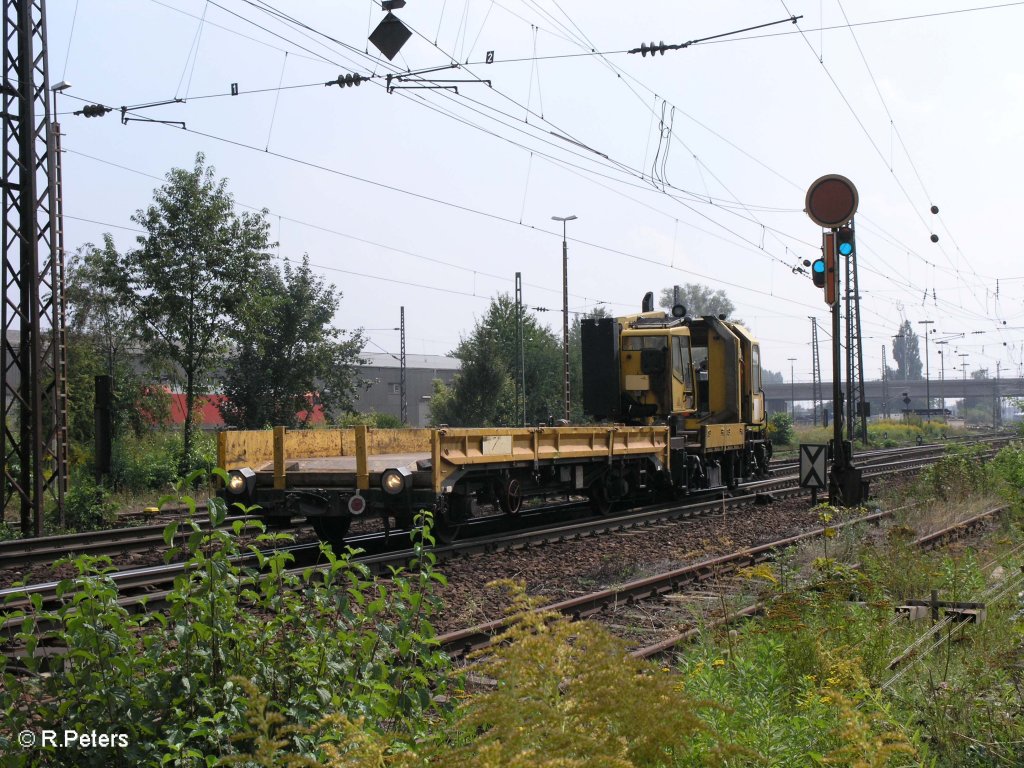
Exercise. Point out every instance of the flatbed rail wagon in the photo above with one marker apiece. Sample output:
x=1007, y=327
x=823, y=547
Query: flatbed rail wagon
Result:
x=331, y=476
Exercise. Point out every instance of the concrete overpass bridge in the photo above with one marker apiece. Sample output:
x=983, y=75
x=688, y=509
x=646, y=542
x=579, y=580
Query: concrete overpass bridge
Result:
x=890, y=393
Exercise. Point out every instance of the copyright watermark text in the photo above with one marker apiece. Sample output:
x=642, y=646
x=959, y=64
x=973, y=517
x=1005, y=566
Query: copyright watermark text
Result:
x=71, y=739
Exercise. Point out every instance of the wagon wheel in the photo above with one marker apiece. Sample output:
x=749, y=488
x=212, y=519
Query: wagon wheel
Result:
x=331, y=530
x=445, y=531
x=509, y=491
x=450, y=513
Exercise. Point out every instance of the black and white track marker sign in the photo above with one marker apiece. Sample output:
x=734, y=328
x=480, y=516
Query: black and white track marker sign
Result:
x=813, y=473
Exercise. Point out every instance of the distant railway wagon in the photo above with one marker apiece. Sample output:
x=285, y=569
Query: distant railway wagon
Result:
x=683, y=396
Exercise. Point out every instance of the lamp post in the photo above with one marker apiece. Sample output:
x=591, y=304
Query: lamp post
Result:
x=565, y=309
x=792, y=389
x=927, y=383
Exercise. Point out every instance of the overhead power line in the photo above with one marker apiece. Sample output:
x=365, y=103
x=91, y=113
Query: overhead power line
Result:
x=644, y=49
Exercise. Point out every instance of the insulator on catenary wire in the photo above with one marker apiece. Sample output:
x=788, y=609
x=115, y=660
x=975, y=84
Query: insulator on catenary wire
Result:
x=93, y=110
x=347, y=80
x=652, y=49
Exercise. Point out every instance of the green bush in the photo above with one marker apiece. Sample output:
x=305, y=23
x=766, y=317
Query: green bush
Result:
x=150, y=462
x=331, y=643
x=957, y=475
x=87, y=506
x=6, y=532
x=372, y=419
x=780, y=428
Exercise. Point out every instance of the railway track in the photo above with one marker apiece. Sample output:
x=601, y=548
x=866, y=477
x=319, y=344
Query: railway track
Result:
x=673, y=594
x=111, y=541
x=147, y=587
x=488, y=536
x=483, y=534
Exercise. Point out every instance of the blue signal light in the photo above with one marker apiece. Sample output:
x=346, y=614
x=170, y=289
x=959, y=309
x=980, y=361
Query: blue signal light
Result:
x=818, y=273
x=846, y=248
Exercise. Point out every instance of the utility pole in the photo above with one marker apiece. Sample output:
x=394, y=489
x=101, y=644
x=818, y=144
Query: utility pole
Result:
x=792, y=390
x=520, y=385
x=927, y=374
x=963, y=368
x=885, y=387
x=942, y=379
x=815, y=369
x=405, y=402
x=997, y=410
x=565, y=310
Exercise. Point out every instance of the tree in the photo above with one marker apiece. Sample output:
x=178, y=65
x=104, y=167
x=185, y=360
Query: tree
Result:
x=907, y=354
x=699, y=300
x=482, y=393
x=191, y=273
x=96, y=285
x=99, y=328
x=102, y=335
x=771, y=377
x=287, y=357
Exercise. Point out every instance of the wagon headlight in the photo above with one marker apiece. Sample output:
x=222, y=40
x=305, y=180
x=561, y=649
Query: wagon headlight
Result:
x=393, y=481
x=241, y=481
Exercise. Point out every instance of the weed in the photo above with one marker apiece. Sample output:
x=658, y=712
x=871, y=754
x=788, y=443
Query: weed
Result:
x=87, y=506
x=567, y=694
x=328, y=643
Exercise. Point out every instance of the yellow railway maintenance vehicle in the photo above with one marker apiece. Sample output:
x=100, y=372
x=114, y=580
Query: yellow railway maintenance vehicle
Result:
x=700, y=377
x=678, y=426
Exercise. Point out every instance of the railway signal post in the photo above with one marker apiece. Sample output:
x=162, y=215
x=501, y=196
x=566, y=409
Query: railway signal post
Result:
x=831, y=203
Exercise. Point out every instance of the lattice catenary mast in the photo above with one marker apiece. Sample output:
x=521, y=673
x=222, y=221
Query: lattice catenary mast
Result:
x=815, y=370
x=34, y=388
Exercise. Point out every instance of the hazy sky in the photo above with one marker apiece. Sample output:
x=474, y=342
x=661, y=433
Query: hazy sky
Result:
x=690, y=166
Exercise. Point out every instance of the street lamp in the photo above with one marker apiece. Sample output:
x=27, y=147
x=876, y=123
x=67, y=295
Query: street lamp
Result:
x=792, y=389
x=565, y=308
x=927, y=383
